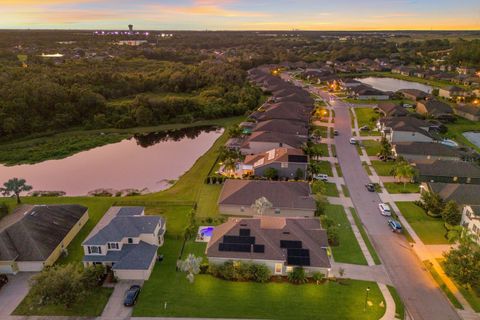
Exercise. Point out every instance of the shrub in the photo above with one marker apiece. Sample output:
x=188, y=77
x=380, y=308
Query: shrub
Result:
x=240, y=271
x=318, y=276
x=297, y=275
x=260, y=273
x=3, y=209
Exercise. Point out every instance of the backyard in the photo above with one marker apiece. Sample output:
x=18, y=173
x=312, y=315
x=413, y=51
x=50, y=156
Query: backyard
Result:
x=367, y=117
x=460, y=126
x=430, y=230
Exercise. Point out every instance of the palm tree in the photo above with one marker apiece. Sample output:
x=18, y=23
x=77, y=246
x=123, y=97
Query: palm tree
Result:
x=261, y=205
x=404, y=172
x=15, y=186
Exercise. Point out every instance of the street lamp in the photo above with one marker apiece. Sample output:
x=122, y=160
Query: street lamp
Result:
x=366, y=298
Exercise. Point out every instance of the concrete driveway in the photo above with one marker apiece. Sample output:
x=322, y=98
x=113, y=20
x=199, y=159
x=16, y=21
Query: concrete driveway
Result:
x=114, y=309
x=420, y=293
x=13, y=292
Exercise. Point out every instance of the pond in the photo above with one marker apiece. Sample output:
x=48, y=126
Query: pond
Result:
x=142, y=162
x=391, y=84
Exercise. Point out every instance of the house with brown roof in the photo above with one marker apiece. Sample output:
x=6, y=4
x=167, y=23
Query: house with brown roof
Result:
x=35, y=237
x=450, y=92
x=391, y=109
x=365, y=92
x=263, y=141
x=447, y=171
x=413, y=94
x=434, y=108
x=282, y=126
x=292, y=199
x=280, y=243
x=404, y=129
x=468, y=111
x=414, y=151
x=287, y=162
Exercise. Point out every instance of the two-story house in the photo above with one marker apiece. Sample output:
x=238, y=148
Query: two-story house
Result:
x=471, y=221
x=125, y=241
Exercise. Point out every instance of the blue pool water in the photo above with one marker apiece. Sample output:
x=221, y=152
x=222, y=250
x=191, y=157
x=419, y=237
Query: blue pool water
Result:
x=207, y=232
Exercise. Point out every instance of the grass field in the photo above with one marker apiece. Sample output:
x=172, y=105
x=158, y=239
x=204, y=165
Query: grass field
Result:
x=339, y=170
x=369, y=245
x=430, y=230
x=456, y=129
x=372, y=147
x=367, y=168
x=367, y=117
x=330, y=188
x=399, y=187
x=345, y=191
x=349, y=250
x=325, y=167
x=399, y=306
x=169, y=294
x=383, y=168
x=320, y=149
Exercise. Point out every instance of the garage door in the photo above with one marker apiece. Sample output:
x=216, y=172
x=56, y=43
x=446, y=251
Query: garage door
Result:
x=6, y=268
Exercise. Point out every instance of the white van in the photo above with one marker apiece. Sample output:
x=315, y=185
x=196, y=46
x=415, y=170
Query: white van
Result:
x=384, y=209
x=353, y=141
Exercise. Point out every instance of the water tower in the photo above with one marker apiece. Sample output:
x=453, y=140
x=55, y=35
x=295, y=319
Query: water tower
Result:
x=130, y=27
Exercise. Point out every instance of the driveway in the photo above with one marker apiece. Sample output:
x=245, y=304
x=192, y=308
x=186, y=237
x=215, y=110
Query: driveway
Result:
x=114, y=309
x=13, y=292
x=423, y=298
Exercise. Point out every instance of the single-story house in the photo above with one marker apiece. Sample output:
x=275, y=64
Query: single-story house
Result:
x=349, y=83
x=263, y=141
x=391, y=109
x=365, y=92
x=447, y=171
x=286, y=161
x=450, y=92
x=293, y=111
x=471, y=221
x=434, y=108
x=287, y=198
x=403, y=70
x=283, y=126
x=404, y=129
x=34, y=237
x=463, y=194
x=467, y=111
x=413, y=94
x=280, y=243
x=125, y=241
x=414, y=151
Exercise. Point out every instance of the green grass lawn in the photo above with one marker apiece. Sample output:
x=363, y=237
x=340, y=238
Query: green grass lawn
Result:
x=330, y=188
x=339, y=169
x=209, y=297
x=366, y=117
x=345, y=191
x=91, y=306
x=383, y=168
x=372, y=147
x=399, y=306
x=349, y=250
x=456, y=129
x=325, y=167
x=323, y=131
x=399, y=187
x=365, y=237
x=442, y=285
x=320, y=149
x=367, y=168
x=430, y=230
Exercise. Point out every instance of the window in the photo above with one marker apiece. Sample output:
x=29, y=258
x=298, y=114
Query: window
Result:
x=289, y=269
x=455, y=179
x=113, y=245
x=277, y=211
x=284, y=165
x=278, y=268
x=95, y=249
x=242, y=209
x=130, y=240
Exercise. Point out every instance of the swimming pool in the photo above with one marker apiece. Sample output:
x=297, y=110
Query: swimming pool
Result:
x=204, y=233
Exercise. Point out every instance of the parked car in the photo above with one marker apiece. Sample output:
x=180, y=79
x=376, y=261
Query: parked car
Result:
x=353, y=141
x=386, y=158
x=335, y=133
x=131, y=296
x=370, y=187
x=395, y=225
x=3, y=280
x=407, y=105
x=321, y=177
x=384, y=209
x=364, y=128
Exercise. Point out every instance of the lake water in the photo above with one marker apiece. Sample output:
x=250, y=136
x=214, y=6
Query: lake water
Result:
x=391, y=84
x=146, y=161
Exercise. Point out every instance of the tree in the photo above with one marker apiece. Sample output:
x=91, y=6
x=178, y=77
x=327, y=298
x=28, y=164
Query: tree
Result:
x=235, y=131
x=385, y=148
x=432, y=203
x=15, y=186
x=463, y=263
x=404, y=172
x=191, y=266
x=261, y=205
x=3, y=209
x=451, y=213
x=270, y=173
x=321, y=203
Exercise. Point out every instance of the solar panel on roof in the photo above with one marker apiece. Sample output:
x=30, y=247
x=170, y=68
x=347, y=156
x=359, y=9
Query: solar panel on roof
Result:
x=235, y=247
x=259, y=248
x=298, y=261
x=286, y=244
x=297, y=158
x=298, y=252
x=244, y=232
x=237, y=239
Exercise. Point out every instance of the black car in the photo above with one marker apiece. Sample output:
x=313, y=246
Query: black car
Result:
x=131, y=296
x=370, y=187
x=3, y=280
x=335, y=132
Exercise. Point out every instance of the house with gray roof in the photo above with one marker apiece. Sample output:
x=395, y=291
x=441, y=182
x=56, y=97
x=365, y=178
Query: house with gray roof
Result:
x=463, y=194
x=404, y=129
x=280, y=243
x=34, y=237
x=288, y=198
x=447, y=171
x=414, y=151
x=125, y=240
x=434, y=108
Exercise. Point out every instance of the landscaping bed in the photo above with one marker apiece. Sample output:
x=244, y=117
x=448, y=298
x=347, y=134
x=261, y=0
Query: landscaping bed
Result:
x=399, y=187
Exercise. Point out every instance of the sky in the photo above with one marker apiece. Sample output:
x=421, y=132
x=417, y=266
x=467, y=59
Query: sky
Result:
x=242, y=14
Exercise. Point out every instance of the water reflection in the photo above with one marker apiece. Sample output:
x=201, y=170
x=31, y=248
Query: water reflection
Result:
x=149, y=139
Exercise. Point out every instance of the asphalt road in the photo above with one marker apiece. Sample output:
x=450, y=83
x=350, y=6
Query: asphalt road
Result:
x=422, y=297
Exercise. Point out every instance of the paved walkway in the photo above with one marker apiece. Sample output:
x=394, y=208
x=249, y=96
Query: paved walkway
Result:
x=115, y=310
x=13, y=292
x=374, y=273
